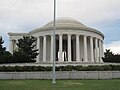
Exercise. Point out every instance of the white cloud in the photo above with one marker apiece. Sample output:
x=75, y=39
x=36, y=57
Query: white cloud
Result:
x=114, y=47
x=25, y=15
x=90, y=11
x=24, y=11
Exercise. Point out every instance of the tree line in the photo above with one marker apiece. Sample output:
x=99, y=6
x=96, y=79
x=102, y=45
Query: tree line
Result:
x=26, y=52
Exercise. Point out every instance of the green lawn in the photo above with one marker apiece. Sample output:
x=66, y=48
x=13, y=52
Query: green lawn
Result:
x=61, y=85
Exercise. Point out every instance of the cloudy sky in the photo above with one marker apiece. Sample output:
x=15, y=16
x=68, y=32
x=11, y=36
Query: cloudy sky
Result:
x=26, y=15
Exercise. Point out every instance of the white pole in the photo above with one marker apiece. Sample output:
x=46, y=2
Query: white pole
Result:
x=54, y=45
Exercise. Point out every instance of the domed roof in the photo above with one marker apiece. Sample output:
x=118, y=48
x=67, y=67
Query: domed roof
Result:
x=66, y=24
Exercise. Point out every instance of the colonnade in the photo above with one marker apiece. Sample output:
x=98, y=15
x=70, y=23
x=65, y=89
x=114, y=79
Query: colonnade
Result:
x=95, y=50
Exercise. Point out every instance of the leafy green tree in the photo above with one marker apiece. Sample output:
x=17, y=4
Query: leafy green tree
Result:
x=110, y=57
x=108, y=53
x=26, y=50
x=2, y=49
x=5, y=56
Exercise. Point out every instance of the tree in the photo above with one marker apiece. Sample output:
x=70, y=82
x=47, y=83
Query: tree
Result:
x=2, y=49
x=26, y=49
x=108, y=53
x=5, y=56
x=110, y=57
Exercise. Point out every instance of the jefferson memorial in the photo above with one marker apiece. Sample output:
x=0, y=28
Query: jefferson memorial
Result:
x=75, y=42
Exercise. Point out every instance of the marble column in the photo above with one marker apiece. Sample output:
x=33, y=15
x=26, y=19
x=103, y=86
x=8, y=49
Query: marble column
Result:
x=52, y=48
x=100, y=51
x=44, y=48
x=16, y=47
x=11, y=46
x=69, y=48
x=91, y=49
x=14, y=44
x=96, y=49
x=60, y=48
x=77, y=48
x=38, y=47
x=85, y=49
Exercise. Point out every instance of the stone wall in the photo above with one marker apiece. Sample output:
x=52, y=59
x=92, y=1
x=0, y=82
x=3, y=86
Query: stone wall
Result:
x=62, y=75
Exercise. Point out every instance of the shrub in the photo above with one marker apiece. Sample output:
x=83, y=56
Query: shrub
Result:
x=60, y=68
x=78, y=68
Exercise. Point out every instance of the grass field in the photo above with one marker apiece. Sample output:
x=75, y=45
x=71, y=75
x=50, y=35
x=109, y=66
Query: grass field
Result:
x=61, y=85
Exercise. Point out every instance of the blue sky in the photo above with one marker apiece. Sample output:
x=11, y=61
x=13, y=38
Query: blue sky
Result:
x=26, y=15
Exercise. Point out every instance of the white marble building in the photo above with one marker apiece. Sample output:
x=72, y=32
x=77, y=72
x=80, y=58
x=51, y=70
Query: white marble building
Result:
x=75, y=42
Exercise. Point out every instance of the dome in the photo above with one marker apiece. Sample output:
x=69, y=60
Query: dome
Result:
x=65, y=24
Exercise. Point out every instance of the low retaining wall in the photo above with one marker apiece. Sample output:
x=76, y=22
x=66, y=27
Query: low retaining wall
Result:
x=61, y=75
x=58, y=64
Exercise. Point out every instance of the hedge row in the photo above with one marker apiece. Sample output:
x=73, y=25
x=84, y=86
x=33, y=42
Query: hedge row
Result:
x=60, y=68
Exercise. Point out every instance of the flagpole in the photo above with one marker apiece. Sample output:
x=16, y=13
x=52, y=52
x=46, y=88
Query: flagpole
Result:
x=54, y=45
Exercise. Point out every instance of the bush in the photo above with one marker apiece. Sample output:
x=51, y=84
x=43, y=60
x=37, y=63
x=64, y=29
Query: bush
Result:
x=78, y=68
x=60, y=68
